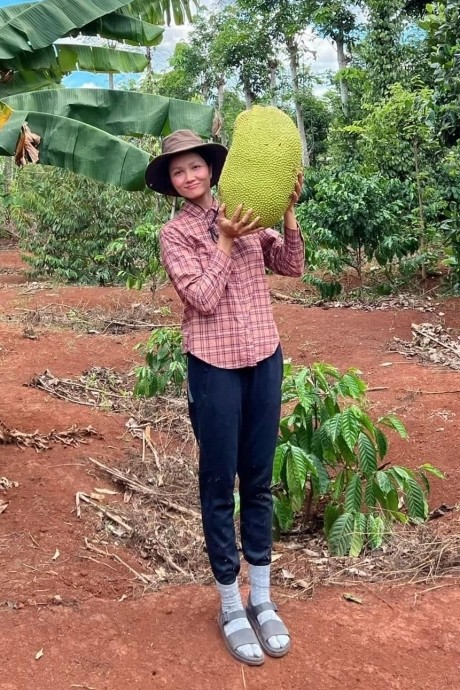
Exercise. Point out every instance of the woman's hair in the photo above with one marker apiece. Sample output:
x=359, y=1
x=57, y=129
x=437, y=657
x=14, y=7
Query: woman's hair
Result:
x=205, y=156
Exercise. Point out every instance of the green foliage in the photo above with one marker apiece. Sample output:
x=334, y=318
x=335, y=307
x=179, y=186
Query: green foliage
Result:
x=390, y=130
x=137, y=252
x=79, y=231
x=328, y=289
x=382, y=50
x=442, y=23
x=232, y=107
x=331, y=454
x=31, y=63
x=355, y=215
x=165, y=364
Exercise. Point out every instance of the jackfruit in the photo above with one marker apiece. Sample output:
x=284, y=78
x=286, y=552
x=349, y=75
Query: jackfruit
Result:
x=262, y=164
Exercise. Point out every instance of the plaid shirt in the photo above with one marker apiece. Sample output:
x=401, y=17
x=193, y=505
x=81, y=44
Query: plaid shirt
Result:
x=228, y=318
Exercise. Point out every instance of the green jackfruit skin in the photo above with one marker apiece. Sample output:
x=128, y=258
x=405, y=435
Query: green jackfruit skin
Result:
x=262, y=164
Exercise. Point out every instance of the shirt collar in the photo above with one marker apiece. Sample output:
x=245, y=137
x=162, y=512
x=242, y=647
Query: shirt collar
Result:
x=198, y=212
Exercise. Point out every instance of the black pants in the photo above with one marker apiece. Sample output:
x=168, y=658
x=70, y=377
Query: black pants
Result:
x=235, y=415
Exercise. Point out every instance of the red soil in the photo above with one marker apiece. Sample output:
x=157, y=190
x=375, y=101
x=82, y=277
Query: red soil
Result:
x=104, y=634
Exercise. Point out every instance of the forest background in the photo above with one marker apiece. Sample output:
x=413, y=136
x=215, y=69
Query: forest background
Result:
x=380, y=145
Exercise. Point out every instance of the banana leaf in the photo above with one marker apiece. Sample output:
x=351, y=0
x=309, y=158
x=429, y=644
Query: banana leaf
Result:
x=125, y=29
x=78, y=147
x=68, y=57
x=159, y=11
x=119, y=112
x=26, y=81
x=12, y=11
x=42, y=23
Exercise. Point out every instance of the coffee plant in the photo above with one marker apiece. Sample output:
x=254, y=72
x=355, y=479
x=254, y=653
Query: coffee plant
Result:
x=332, y=456
x=77, y=230
x=165, y=365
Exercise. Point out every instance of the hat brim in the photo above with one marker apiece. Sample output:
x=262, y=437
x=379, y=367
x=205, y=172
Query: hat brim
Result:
x=157, y=172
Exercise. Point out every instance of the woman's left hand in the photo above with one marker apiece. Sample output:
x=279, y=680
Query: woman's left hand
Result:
x=289, y=217
x=295, y=196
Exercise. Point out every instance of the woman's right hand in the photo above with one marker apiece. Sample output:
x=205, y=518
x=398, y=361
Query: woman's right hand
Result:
x=237, y=226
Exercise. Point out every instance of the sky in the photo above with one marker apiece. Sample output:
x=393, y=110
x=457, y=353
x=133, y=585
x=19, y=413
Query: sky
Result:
x=326, y=58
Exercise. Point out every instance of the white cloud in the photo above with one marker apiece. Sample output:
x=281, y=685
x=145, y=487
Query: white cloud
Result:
x=90, y=85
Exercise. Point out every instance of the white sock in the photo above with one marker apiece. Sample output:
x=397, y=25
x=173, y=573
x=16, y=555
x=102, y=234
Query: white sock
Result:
x=259, y=578
x=231, y=601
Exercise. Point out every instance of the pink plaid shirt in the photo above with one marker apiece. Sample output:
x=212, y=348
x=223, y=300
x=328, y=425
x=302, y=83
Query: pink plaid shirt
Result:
x=228, y=318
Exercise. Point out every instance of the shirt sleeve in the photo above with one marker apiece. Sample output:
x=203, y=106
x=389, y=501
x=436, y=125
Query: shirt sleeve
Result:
x=202, y=289
x=284, y=255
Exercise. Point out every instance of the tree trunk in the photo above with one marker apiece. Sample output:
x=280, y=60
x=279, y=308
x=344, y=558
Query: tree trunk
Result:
x=420, y=206
x=343, y=62
x=205, y=91
x=220, y=107
x=8, y=175
x=112, y=45
x=148, y=55
x=248, y=95
x=293, y=62
x=273, y=66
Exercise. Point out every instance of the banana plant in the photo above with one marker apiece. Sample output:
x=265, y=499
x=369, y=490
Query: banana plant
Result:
x=79, y=129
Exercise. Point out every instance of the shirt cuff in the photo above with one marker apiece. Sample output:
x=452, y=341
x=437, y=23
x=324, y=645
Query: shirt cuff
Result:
x=293, y=237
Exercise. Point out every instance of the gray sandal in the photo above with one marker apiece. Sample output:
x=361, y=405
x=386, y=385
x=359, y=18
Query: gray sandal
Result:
x=239, y=637
x=267, y=629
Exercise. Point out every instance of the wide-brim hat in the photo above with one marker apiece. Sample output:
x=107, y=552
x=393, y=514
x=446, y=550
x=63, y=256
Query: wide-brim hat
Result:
x=183, y=140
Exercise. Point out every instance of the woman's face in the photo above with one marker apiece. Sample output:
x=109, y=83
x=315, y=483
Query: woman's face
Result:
x=190, y=175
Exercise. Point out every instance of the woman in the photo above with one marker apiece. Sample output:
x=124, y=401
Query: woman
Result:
x=217, y=266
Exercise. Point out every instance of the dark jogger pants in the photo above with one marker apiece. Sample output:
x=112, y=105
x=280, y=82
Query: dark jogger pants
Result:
x=235, y=416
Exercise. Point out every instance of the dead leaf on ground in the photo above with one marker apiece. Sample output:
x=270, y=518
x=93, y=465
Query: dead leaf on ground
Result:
x=351, y=597
x=287, y=574
x=56, y=555
x=6, y=483
x=39, y=654
x=3, y=507
x=303, y=584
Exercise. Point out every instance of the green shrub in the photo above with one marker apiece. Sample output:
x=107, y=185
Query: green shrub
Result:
x=331, y=455
x=137, y=253
x=165, y=364
x=356, y=217
x=69, y=223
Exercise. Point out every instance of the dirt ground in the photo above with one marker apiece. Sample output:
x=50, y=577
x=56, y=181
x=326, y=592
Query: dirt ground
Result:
x=84, y=616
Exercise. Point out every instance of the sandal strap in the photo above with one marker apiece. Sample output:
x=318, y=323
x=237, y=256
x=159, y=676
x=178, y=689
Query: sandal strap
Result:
x=260, y=608
x=272, y=628
x=228, y=616
x=241, y=637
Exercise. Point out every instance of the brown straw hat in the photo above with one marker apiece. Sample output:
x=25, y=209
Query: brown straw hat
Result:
x=157, y=172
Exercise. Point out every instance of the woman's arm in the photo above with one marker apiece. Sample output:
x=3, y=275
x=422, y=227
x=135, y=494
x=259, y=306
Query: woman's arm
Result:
x=285, y=255
x=201, y=288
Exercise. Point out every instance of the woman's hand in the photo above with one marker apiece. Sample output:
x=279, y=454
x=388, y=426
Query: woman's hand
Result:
x=289, y=217
x=295, y=196
x=237, y=226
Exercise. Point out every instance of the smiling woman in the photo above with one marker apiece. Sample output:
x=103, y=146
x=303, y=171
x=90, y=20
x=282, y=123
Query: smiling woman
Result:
x=235, y=367
x=191, y=176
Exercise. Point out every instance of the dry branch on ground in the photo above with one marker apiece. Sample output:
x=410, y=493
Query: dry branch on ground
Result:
x=401, y=302
x=73, y=436
x=431, y=343
x=114, y=320
x=112, y=391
